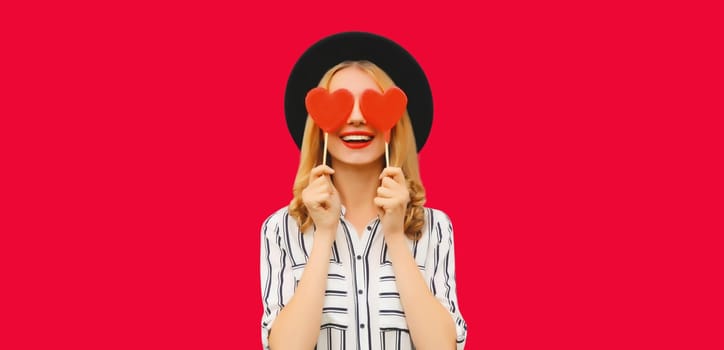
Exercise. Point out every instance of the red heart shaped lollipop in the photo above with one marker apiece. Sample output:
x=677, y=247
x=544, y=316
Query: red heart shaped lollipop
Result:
x=383, y=111
x=329, y=111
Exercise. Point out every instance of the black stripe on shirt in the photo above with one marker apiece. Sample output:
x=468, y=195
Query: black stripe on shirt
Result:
x=300, y=237
x=267, y=284
x=335, y=276
x=392, y=312
x=334, y=325
x=389, y=295
x=353, y=260
x=281, y=273
x=336, y=310
x=446, y=267
x=335, y=253
x=340, y=293
x=285, y=227
x=370, y=239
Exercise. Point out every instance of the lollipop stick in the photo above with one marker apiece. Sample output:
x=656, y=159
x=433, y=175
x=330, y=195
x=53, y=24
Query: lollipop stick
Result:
x=387, y=147
x=387, y=154
x=324, y=155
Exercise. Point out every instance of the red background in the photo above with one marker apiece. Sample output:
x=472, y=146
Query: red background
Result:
x=576, y=146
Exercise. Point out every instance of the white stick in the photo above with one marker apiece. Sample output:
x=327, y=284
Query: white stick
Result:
x=387, y=154
x=324, y=155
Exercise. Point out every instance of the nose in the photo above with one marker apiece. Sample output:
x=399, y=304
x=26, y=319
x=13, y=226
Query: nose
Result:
x=356, y=118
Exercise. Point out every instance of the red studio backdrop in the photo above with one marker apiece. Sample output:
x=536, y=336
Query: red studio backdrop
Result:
x=576, y=146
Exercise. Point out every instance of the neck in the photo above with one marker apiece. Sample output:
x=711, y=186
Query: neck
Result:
x=357, y=185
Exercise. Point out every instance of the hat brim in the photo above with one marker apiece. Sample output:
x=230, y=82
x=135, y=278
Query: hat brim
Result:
x=397, y=62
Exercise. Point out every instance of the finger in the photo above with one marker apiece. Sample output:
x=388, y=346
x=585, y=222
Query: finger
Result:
x=321, y=190
x=315, y=205
x=387, y=182
x=379, y=202
x=385, y=203
x=323, y=183
x=320, y=171
x=317, y=195
x=385, y=192
x=323, y=197
x=394, y=173
x=323, y=168
x=321, y=201
x=324, y=172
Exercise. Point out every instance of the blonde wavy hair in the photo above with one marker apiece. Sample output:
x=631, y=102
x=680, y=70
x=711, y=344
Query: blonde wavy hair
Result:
x=403, y=154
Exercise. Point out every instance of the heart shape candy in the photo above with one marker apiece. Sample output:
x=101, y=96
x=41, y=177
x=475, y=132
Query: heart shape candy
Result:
x=382, y=111
x=329, y=111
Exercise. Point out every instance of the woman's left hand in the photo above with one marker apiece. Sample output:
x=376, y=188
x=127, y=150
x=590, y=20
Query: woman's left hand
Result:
x=392, y=199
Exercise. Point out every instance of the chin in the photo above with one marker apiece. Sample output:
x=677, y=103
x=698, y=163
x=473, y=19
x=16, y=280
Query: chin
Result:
x=358, y=159
x=359, y=162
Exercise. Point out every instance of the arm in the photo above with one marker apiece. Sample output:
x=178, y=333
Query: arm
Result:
x=431, y=326
x=277, y=281
x=298, y=323
x=432, y=317
x=297, y=326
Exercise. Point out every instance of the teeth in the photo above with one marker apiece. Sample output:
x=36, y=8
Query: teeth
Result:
x=356, y=138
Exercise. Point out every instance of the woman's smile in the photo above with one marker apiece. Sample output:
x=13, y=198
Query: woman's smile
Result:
x=357, y=139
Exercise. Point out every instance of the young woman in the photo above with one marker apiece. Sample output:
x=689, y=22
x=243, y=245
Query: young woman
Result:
x=355, y=261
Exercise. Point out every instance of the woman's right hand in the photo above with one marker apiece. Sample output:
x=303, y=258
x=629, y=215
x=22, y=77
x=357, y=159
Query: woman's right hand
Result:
x=297, y=324
x=322, y=200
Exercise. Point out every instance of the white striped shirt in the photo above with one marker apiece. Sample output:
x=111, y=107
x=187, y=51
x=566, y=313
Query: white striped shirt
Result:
x=362, y=308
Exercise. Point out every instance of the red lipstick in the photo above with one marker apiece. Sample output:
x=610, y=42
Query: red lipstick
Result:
x=357, y=139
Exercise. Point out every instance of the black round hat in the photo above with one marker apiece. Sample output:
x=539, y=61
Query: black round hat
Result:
x=385, y=53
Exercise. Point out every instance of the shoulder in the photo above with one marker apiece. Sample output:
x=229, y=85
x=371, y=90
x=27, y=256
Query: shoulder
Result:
x=436, y=217
x=277, y=214
x=437, y=225
x=275, y=219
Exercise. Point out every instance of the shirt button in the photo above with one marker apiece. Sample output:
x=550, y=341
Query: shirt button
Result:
x=369, y=228
x=360, y=292
x=362, y=326
x=359, y=257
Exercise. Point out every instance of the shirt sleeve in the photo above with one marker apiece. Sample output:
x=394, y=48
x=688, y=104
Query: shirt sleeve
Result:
x=277, y=280
x=443, y=279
